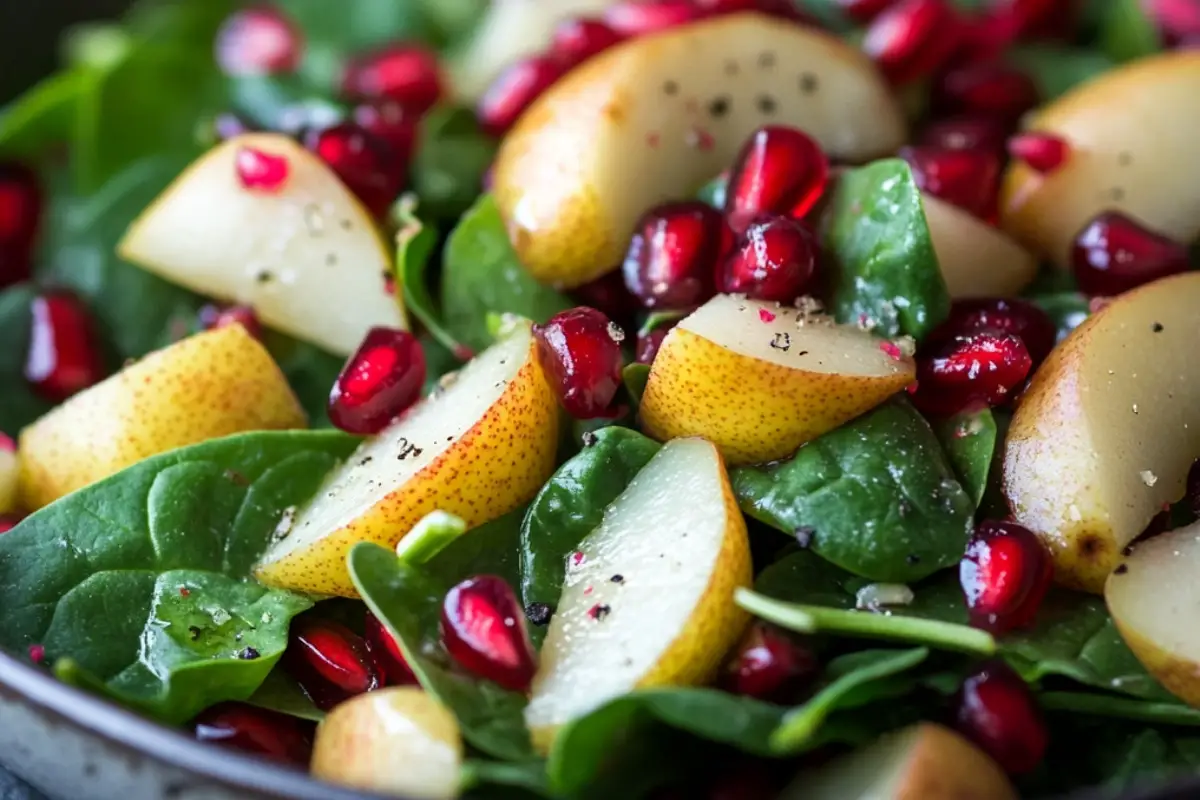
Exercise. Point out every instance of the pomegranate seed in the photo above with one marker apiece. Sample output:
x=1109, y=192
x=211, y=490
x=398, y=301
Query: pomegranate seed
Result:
x=1179, y=20
x=779, y=170
x=649, y=341
x=8, y=522
x=964, y=371
x=1012, y=315
x=259, y=170
x=383, y=378
x=1113, y=254
x=781, y=9
x=331, y=662
x=514, y=90
x=673, y=253
x=37, y=653
x=609, y=295
x=390, y=123
x=256, y=730
x=913, y=39
x=7, y=445
x=768, y=665
x=582, y=358
x=634, y=17
x=1016, y=19
x=995, y=709
x=63, y=354
x=1043, y=152
x=404, y=73
x=389, y=658
x=965, y=133
x=483, y=628
x=1004, y=576
x=967, y=178
x=775, y=259
x=989, y=89
x=20, y=219
x=863, y=11
x=212, y=317
x=258, y=41
x=577, y=40
x=364, y=162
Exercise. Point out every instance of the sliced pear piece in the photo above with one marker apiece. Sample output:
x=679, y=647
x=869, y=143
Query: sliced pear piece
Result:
x=1131, y=131
x=977, y=260
x=924, y=762
x=477, y=449
x=1108, y=429
x=208, y=385
x=308, y=257
x=759, y=380
x=655, y=117
x=648, y=598
x=10, y=476
x=397, y=741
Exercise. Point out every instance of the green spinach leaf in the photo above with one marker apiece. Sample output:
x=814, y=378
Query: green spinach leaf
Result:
x=1057, y=69
x=884, y=269
x=969, y=440
x=452, y=155
x=44, y=115
x=1067, y=309
x=1127, y=32
x=416, y=245
x=280, y=692
x=875, y=496
x=18, y=405
x=529, y=776
x=139, y=584
x=1106, y=705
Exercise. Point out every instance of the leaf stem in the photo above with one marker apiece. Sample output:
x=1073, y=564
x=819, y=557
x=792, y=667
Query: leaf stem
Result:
x=430, y=536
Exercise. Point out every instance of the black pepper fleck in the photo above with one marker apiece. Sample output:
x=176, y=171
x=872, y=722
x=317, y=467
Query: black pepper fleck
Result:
x=671, y=88
x=599, y=611
x=1128, y=551
x=617, y=578
x=912, y=558
x=264, y=277
x=193, y=632
x=804, y=536
x=1157, y=327
x=1121, y=569
x=782, y=341
x=249, y=654
x=808, y=83
x=539, y=613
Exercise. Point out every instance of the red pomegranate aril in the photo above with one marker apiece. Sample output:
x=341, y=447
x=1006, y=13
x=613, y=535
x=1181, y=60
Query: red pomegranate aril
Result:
x=781, y=9
x=1042, y=152
x=364, y=162
x=609, y=295
x=483, y=628
x=1004, y=575
x=779, y=170
x=673, y=253
x=404, y=73
x=390, y=123
x=1016, y=19
x=63, y=353
x=514, y=90
x=965, y=133
x=863, y=11
x=979, y=369
x=649, y=341
x=20, y=207
x=1179, y=20
x=968, y=179
x=331, y=662
x=259, y=170
x=256, y=730
x=387, y=653
x=768, y=665
x=8, y=522
x=577, y=40
x=212, y=317
x=638, y=17
x=580, y=350
x=774, y=260
x=989, y=89
x=1012, y=315
x=258, y=41
x=913, y=39
x=995, y=709
x=381, y=380
x=1114, y=253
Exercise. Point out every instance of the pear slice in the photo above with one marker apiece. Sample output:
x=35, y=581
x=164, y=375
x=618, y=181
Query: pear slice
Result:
x=976, y=259
x=924, y=762
x=1154, y=599
x=759, y=380
x=308, y=257
x=396, y=741
x=656, y=117
x=648, y=598
x=10, y=471
x=476, y=449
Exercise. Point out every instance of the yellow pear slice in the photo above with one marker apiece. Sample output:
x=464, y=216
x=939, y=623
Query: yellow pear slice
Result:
x=977, y=260
x=477, y=449
x=397, y=741
x=10, y=473
x=656, y=117
x=1132, y=134
x=648, y=599
x=759, y=380
x=209, y=385
x=308, y=257
x=1107, y=430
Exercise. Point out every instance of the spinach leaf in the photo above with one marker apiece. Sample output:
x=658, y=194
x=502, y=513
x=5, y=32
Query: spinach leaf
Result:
x=18, y=405
x=969, y=440
x=489, y=549
x=1127, y=32
x=713, y=192
x=280, y=692
x=481, y=274
x=571, y=505
x=1106, y=705
x=1067, y=309
x=452, y=155
x=44, y=115
x=409, y=602
x=884, y=269
x=876, y=495
x=529, y=776
x=416, y=244
x=635, y=377
x=137, y=585
x=309, y=370
x=1057, y=69
x=994, y=505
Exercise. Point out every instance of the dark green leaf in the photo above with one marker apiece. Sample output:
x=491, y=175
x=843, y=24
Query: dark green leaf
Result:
x=994, y=505
x=1106, y=705
x=184, y=25
x=1067, y=309
x=280, y=692
x=481, y=274
x=876, y=494
x=416, y=244
x=18, y=405
x=43, y=115
x=527, y=775
x=1057, y=69
x=452, y=155
x=635, y=377
x=713, y=192
x=884, y=271
x=490, y=549
x=310, y=372
x=1127, y=32
x=138, y=583
x=969, y=440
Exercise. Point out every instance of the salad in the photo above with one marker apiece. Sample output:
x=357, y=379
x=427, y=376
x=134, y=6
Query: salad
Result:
x=684, y=398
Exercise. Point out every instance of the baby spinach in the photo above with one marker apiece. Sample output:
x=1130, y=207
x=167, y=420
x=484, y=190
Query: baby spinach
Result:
x=874, y=496
x=280, y=692
x=1056, y=69
x=481, y=273
x=635, y=377
x=969, y=442
x=1067, y=309
x=43, y=115
x=451, y=158
x=528, y=777
x=1127, y=32
x=18, y=405
x=416, y=245
x=138, y=586
x=884, y=271
x=1105, y=705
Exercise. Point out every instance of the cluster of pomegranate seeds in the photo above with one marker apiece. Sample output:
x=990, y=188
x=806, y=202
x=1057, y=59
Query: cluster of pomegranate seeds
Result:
x=331, y=662
x=976, y=369
x=779, y=170
x=1012, y=315
x=965, y=132
x=1004, y=574
x=364, y=162
x=768, y=665
x=965, y=178
x=990, y=89
x=995, y=709
x=483, y=629
x=63, y=353
x=673, y=254
x=259, y=170
x=258, y=41
x=609, y=295
x=515, y=89
x=775, y=260
x=638, y=17
x=389, y=658
x=580, y=350
x=406, y=74
x=1113, y=254
x=1042, y=152
x=382, y=379
x=576, y=40
x=256, y=730
x=391, y=123
x=912, y=39
x=213, y=316
x=20, y=218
